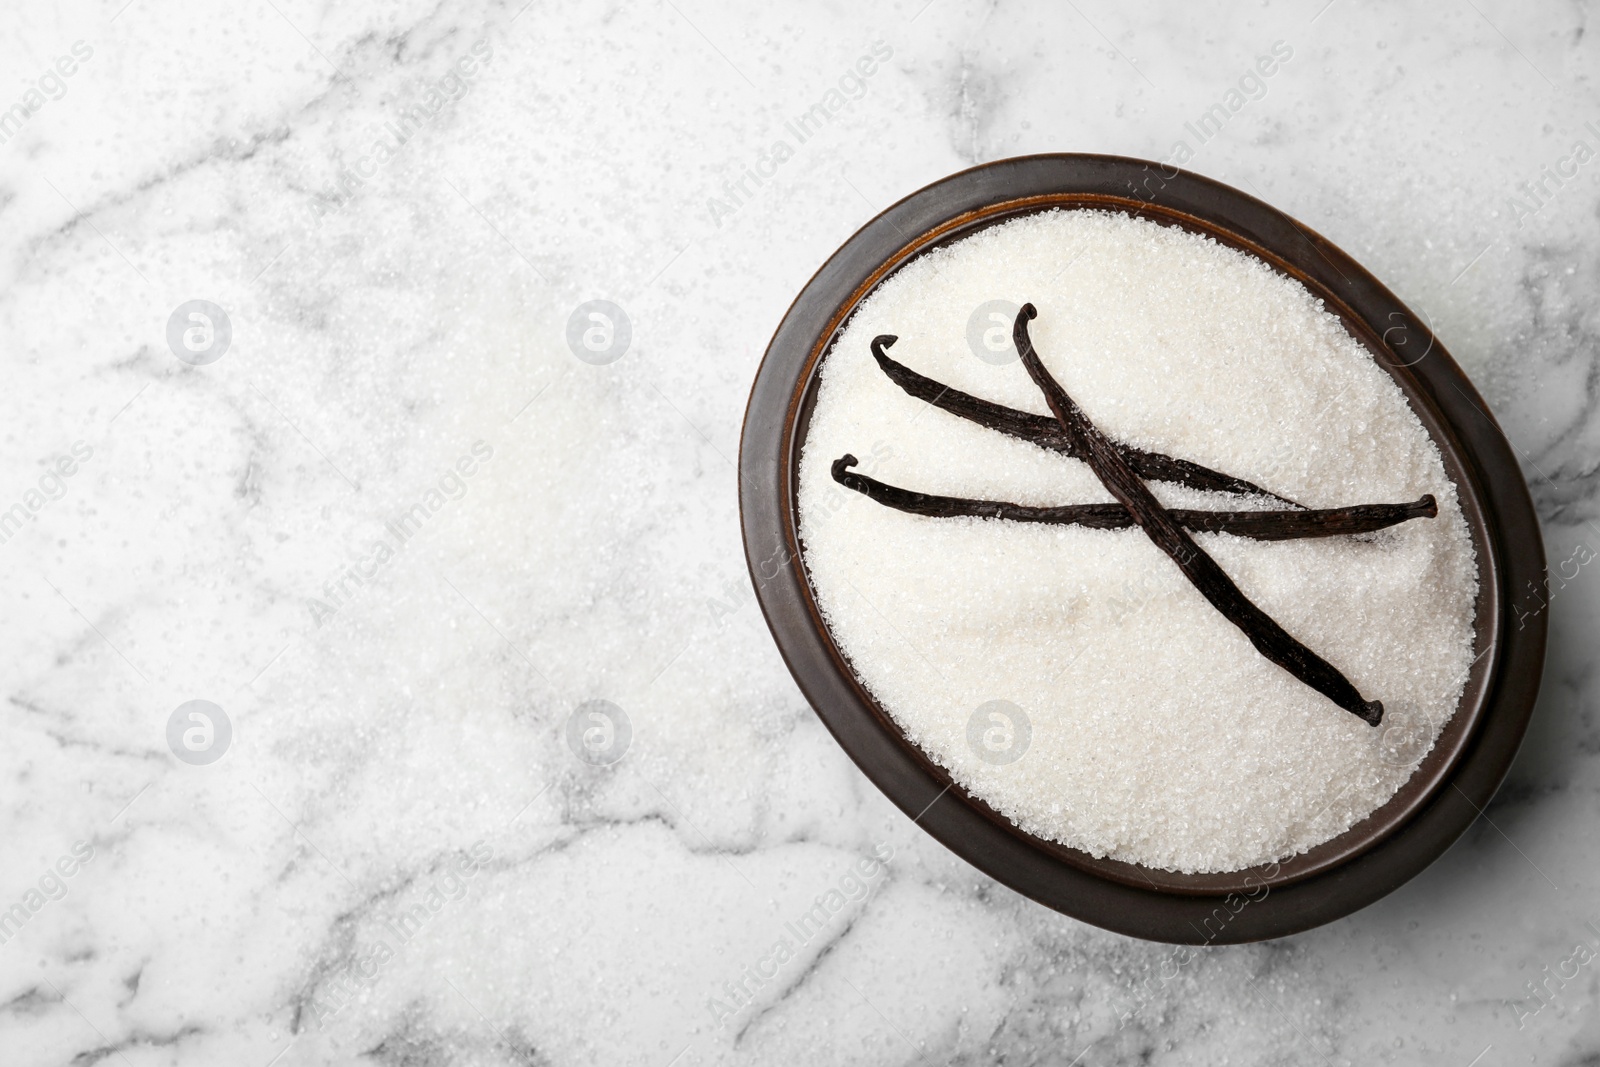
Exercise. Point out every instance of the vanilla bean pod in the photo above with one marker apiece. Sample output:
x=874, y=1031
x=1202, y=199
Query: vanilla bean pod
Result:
x=1256, y=525
x=1115, y=472
x=1043, y=430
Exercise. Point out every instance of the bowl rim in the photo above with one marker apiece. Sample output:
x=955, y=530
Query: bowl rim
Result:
x=1451, y=785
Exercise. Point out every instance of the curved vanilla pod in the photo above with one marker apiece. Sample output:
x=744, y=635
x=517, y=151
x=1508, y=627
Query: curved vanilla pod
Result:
x=1044, y=432
x=1213, y=583
x=1256, y=525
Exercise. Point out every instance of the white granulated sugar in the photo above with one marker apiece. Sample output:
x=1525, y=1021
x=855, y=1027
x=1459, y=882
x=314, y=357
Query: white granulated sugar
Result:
x=1159, y=735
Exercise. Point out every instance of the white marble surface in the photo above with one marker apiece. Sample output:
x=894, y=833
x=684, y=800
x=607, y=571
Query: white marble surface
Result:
x=398, y=743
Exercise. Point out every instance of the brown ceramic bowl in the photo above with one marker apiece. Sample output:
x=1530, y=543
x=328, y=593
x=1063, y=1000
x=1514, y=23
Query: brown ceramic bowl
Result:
x=1450, y=785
